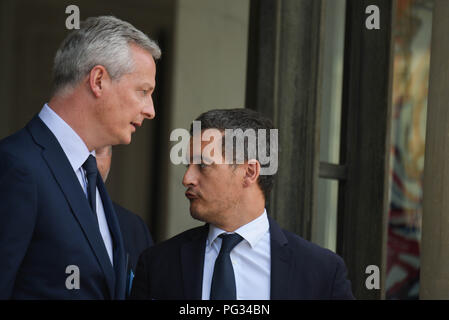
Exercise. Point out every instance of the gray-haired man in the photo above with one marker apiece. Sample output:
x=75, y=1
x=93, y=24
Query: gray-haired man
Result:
x=59, y=234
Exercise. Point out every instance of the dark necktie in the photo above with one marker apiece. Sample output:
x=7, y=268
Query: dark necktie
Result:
x=223, y=279
x=91, y=173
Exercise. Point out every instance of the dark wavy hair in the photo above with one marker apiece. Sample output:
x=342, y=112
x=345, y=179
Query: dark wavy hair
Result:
x=243, y=119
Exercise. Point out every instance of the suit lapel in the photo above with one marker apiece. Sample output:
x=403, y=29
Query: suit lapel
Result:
x=281, y=262
x=63, y=172
x=192, y=264
x=118, y=244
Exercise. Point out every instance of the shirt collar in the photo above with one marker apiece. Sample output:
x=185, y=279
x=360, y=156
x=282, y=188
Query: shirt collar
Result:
x=71, y=143
x=252, y=232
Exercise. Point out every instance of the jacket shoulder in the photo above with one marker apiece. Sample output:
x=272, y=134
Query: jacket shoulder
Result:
x=320, y=270
x=19, y=151
x=18, y=147
x=310, y=250
x=173, y=245
x=133, y=226
x=126, y=216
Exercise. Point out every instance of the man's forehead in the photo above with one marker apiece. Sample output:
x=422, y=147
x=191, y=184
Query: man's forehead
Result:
x=210, y=140
x=207, y=136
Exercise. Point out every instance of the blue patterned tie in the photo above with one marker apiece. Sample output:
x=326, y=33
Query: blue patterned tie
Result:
x=223, y=279
x=91, y=173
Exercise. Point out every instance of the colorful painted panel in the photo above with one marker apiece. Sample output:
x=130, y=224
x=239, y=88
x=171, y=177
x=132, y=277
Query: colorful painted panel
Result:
x=412, y=35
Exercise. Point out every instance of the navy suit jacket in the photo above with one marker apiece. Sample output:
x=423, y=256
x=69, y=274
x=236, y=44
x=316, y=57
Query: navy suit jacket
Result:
x=299, y=269
x=136, y=238
x=46, y=224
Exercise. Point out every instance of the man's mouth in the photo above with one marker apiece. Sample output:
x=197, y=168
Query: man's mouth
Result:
x=136, y=125
x=190, y=195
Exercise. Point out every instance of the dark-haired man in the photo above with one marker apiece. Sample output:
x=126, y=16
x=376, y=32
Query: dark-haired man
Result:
x=240, y=253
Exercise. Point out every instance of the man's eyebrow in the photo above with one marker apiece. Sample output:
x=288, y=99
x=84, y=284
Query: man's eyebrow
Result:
x=196, y=159
x=207, y=160
x=147, y=84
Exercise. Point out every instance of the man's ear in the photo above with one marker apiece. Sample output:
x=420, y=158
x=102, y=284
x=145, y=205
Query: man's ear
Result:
x=98, y=77
x=252, y=172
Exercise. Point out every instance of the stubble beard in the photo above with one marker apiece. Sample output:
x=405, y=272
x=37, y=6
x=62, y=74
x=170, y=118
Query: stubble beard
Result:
x=196, y=214
x=215, y=217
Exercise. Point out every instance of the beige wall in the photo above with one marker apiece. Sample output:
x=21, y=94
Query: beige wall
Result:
x=434, y=277
x=209, y=71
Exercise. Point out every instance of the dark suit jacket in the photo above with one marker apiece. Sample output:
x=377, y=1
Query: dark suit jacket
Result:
x=136, y=238
x=299, y=269
x=46, y=224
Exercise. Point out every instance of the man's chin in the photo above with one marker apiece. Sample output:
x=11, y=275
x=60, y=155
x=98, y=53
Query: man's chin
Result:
x=196, y=214
x=126, y=140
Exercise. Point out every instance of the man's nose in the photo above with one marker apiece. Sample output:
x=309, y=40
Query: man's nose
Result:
x=189, y=178
x=148, y=110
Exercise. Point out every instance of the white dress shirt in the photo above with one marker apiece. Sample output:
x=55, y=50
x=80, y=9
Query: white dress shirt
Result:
x=76, y=151
x=251, y=260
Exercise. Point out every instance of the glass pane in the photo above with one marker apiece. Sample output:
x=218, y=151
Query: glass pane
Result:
x=325, y=222
x=412, y=34
x=333, y=45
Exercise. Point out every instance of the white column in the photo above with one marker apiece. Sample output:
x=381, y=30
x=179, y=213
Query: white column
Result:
x=210, y=48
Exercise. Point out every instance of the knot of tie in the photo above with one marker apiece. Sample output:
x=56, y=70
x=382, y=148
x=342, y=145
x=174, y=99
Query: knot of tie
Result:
x=90, y=165
x=229, y=241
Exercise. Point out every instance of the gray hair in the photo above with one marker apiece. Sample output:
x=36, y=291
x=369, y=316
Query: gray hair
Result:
x=102, y=41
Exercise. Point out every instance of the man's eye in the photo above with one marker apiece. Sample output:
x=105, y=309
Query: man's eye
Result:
x=145, y=92
x=203, y=165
